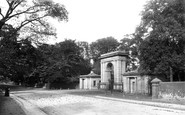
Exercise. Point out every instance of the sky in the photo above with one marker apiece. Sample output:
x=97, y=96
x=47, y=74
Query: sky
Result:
x=90, y=20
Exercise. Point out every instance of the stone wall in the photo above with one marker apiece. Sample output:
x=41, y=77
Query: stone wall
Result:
x=143, y=86
x=172, y=90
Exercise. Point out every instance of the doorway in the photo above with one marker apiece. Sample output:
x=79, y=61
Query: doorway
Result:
x=110, y=75
x=132, y=85
x=83, y=83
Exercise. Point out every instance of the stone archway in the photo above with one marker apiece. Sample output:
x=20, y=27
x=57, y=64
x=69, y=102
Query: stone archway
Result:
x=116, y=63
x=110, y=71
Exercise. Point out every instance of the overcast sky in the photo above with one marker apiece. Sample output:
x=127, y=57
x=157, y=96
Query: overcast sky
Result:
x=90, y=20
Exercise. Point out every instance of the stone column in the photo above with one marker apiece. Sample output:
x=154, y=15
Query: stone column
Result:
x=104, y=73
x=90, y=83
x=101, y=71
x=155, y=88
x=118, y=70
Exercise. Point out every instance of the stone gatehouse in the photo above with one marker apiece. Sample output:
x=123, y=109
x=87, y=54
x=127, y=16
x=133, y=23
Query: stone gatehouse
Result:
x=114, y=76
x=113, y=71
x=113, y=65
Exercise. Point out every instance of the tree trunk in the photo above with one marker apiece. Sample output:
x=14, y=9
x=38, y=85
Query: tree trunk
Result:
x=179, y=77
x=1, y=24
x=48, y=85
x=171, y=74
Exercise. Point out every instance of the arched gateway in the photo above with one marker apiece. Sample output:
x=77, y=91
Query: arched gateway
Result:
x=113, y=66
x=114, y=76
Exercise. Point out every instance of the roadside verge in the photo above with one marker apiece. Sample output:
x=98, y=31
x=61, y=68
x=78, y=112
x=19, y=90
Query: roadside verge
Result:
x=156, y=104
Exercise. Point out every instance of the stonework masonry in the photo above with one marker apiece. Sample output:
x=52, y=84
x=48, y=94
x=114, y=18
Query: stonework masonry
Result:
x=118, y=61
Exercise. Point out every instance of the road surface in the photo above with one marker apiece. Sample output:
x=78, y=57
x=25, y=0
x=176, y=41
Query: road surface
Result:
x=61, y=102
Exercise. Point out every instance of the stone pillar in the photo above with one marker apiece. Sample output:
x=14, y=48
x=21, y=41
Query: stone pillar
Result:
x=118, y=70
x=101, y=71
x=90, y=83
x=155, y=88
x=104, y=73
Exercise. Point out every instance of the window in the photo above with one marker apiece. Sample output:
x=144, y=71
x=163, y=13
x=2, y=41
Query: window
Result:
x=94, y=83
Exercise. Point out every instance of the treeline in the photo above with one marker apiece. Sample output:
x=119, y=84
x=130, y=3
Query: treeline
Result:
x=157, y=46
x=59, y=64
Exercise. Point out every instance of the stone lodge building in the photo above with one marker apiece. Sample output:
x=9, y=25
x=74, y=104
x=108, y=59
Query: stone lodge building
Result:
x=113, y=73
x=89, y=81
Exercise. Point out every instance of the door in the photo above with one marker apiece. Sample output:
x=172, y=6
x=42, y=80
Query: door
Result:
x=83, y=83
x=132, y=85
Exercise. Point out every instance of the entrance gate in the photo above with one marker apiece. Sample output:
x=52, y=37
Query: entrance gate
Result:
x=113, y=65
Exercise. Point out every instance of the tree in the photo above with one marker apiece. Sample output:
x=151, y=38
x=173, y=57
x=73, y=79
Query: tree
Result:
x=17, y=58
x=30, y=17
x=102, y=46
x=161, y=36
x=84, y=49
x=63, y=63
x=23, y=22
x=129, y=45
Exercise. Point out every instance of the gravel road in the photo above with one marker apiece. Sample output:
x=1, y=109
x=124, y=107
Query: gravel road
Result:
x=64, y=103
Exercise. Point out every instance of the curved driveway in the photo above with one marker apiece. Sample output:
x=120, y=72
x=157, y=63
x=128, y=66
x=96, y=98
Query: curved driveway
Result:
x=65, y=102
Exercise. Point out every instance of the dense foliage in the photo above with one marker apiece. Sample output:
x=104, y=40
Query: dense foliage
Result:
x=63, y=63
x=17, y=58
x=102, y=46
x=161, y=39
x=129, y=45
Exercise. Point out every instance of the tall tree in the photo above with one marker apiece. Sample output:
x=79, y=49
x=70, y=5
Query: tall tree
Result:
x=161, y=36
x=17, y=58
x=63, y=63
x=30, y=17
x=129, y=45
x=23, y=22
x=102, y=46
x=84, y=49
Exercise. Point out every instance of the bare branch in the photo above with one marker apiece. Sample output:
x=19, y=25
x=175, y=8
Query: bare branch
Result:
x=10, y=9
x=1, y=14
x=29, y=21
x=44, y=25
x=8, y=2
x=43, y=32
x=23, y=12
x=18, y=3
x=27, y=11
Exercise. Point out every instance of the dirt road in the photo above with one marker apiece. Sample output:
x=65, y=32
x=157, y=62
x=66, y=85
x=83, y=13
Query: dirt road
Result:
x=61, y=102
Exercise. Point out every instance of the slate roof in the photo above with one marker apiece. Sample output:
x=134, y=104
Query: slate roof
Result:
x=90, y=75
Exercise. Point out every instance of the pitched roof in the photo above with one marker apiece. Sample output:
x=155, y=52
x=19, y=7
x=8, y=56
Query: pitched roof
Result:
x=156, y=80
x=90, y=75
